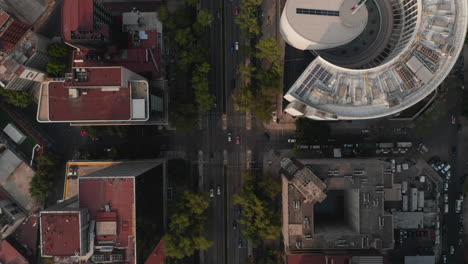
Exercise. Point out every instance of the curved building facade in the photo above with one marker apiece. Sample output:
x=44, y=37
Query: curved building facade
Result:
x=399, y=55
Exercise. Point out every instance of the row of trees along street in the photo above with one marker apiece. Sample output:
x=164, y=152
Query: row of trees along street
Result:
x=183, y=29
x=262, y=73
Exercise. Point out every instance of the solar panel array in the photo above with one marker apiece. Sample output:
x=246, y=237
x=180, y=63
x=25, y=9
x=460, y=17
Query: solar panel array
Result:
x=318, y=73
x=317, y=12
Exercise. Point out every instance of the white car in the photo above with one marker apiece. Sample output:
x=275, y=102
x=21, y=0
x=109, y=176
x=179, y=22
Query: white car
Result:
x=229, y=137
x=445, y=198
x=291, y=140
x=218, y=190
x=211, y=193
x=446, y=186
x=236, y=45
x=448, y=175
x=452, y=250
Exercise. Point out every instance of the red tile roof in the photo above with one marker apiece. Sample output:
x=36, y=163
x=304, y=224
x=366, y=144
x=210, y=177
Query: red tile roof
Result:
x=3, y=17
x=9, y=255
x=94, y=194
x=95, y=105
x=60, y=233
x=158, y=255
x=76, y=15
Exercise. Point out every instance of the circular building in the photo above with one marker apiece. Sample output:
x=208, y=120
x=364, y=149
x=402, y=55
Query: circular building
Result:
x=375, y=57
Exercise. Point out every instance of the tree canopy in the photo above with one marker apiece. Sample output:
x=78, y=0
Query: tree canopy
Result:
x=43, y=181
x=268, y=49
x=17, y=98
x=57, y=50
x=256, y=199
x=187, y=226
x=55, y=68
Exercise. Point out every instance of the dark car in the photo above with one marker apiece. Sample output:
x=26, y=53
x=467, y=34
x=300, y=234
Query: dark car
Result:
x=239, y=243
x=234, y=225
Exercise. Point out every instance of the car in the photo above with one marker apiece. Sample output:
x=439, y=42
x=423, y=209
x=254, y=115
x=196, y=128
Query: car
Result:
x=267, y=136
x=239, y=243
x=238, y=140
x=236, y=10
x=452, y=250
x=236, y=45
x=234, y=225
x=211, y=193
x=460, y=241
x=446, y=198
x=107, y=149
x=96, y=138
x=454, y=120
x=229, y=137
x=446, y=187
x=218, y=190
x=454, y=151
x=291, y=140
x=444, y=259
x=239, y=210
x=448, y=175
x=211, y=156
x=218, y=14
x=84, y=132
x=232, y=48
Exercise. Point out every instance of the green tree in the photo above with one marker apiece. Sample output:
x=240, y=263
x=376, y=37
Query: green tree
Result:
x=268, y=49
x=260, y=222
x=203, y=97
x=57, y=50
x=246, y=71
x=193, y=2
x=55, y=68
x=187, y=226
x=16, y=98
x=243, y=99
x=163, y=14
x=205, y=18
x=184, y=37
x=270, y=186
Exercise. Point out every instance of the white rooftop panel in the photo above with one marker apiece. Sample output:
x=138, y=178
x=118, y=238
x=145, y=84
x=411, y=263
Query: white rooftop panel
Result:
x=14, y=133
x=138, y=109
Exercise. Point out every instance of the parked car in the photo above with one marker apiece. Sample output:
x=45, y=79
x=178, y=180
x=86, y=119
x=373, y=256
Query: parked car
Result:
x=238, y=140
x=236, y=45
x=239, y=243
x=454, y=120
x=218, y=190
x=452, y=250
x=234, y=225
x=448, y=175
x=444, y=259
x=446, y=198
x=236, y=10
x=229, y=137
x=446, y=187
x=291, y=140
x=460, y=128
x=211, y=193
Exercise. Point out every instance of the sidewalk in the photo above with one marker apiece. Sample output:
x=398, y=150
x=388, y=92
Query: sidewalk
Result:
x=270, y=28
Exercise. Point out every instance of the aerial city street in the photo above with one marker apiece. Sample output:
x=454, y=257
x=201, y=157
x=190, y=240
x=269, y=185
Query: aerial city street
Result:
x=233, y=131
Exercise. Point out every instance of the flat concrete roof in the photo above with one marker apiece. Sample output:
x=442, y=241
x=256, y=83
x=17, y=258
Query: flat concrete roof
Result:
x=323, y=29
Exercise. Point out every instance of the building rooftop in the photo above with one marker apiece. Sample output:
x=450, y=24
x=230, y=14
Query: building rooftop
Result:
x=158, y=255
x=15, y=176
x=27, y=235
x=413, y=69
x=95, y=94
x=119, y=194
x=323, y=24
x=79, y=15
x=75, y=169
x=60, y=233
x=9, y=254
x=350, y=215
x=334, y=259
